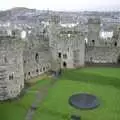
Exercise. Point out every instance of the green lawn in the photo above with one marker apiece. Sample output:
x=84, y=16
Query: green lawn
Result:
x=16, y=110
x=102, y=82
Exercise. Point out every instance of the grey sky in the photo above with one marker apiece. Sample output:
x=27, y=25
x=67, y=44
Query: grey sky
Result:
x=62, y=4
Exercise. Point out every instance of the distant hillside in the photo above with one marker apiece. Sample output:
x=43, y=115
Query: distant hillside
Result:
x=18, y=13
x=26, y=15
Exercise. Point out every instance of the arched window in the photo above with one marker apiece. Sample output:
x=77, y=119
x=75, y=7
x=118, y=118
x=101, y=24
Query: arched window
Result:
x=43, y=68
x=59, y=55
x=44, y=31
x=24, y=76
x=11, y=77
x=68, y=49
x=13, y=33
x=29, y=73
x=24, y=61
x=37, y=57
x=5, y=59
x=21, y=87
x=115, y=44
x=118, y=61
x=91, y=59
x=65, y=56
x=64, y=64
x=40, y=69
x=93, y=42
x=37, y=70
x=105, y=43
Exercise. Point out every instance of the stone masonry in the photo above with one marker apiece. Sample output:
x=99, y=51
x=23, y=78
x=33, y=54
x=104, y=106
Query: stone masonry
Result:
x=51, y=48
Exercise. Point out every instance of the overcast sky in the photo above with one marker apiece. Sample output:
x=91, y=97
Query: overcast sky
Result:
x=68, y=5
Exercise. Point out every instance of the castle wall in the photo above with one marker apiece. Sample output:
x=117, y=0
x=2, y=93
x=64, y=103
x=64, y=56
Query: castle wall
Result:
x=37, y=58
x=102, y=54
x=35, y=66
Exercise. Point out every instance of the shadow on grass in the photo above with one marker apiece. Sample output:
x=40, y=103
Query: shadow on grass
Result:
x=91, y=78
x=63, y=116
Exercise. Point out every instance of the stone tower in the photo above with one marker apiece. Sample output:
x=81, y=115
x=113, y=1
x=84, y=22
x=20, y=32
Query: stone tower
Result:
x=116, y=37
x=11, y=67
x=67, y=44
x=53, y=31
x=71, y=47
x=93, y=32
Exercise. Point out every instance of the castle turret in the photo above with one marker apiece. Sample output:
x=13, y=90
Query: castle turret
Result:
x=116, y=37
x=93, y=31
x=11, y=67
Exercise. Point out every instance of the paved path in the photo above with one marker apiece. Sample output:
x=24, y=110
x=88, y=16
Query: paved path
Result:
x=40, y=95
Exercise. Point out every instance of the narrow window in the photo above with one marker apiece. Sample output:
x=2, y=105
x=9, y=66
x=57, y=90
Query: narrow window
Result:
x=24, y=62
x=115, y=44
x=43, y=68
x=11, y=77
x=64, y=64
x=93, y=42
x=37, y=71
x=37, y=57
x=59, y=55
x=40, y=69
x=5, y=59
x=65, y=56
x=29, y=73
x=118, y=60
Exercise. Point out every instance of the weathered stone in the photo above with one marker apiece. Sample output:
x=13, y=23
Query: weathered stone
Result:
x=51, y=48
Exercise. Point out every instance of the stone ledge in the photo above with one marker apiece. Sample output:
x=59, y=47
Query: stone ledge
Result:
x=35, y=79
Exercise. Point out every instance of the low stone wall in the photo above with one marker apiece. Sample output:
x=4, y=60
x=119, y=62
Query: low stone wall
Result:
x=111, y=65
x=102, y=54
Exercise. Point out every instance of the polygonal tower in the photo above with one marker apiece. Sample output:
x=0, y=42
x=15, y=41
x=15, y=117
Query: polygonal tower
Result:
x=116, y=37
x=52, y=31
x=11, y=67
x=93, y=31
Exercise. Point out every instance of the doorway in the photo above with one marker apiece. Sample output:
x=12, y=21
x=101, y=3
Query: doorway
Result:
x=64, y=64
x=118, y=61
x=59, y=55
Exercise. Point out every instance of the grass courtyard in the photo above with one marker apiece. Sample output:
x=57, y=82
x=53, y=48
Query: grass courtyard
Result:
x=102, y=82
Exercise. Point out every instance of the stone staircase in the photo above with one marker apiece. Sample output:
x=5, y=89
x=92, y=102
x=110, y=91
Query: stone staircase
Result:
x=3, y=83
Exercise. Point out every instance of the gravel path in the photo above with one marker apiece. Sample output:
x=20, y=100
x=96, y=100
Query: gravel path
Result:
x=41, y=94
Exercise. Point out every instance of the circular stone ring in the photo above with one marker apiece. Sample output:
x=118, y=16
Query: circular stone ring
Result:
x=84, y=101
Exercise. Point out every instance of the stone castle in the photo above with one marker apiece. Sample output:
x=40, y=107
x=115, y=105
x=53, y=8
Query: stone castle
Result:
x=51, y=48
